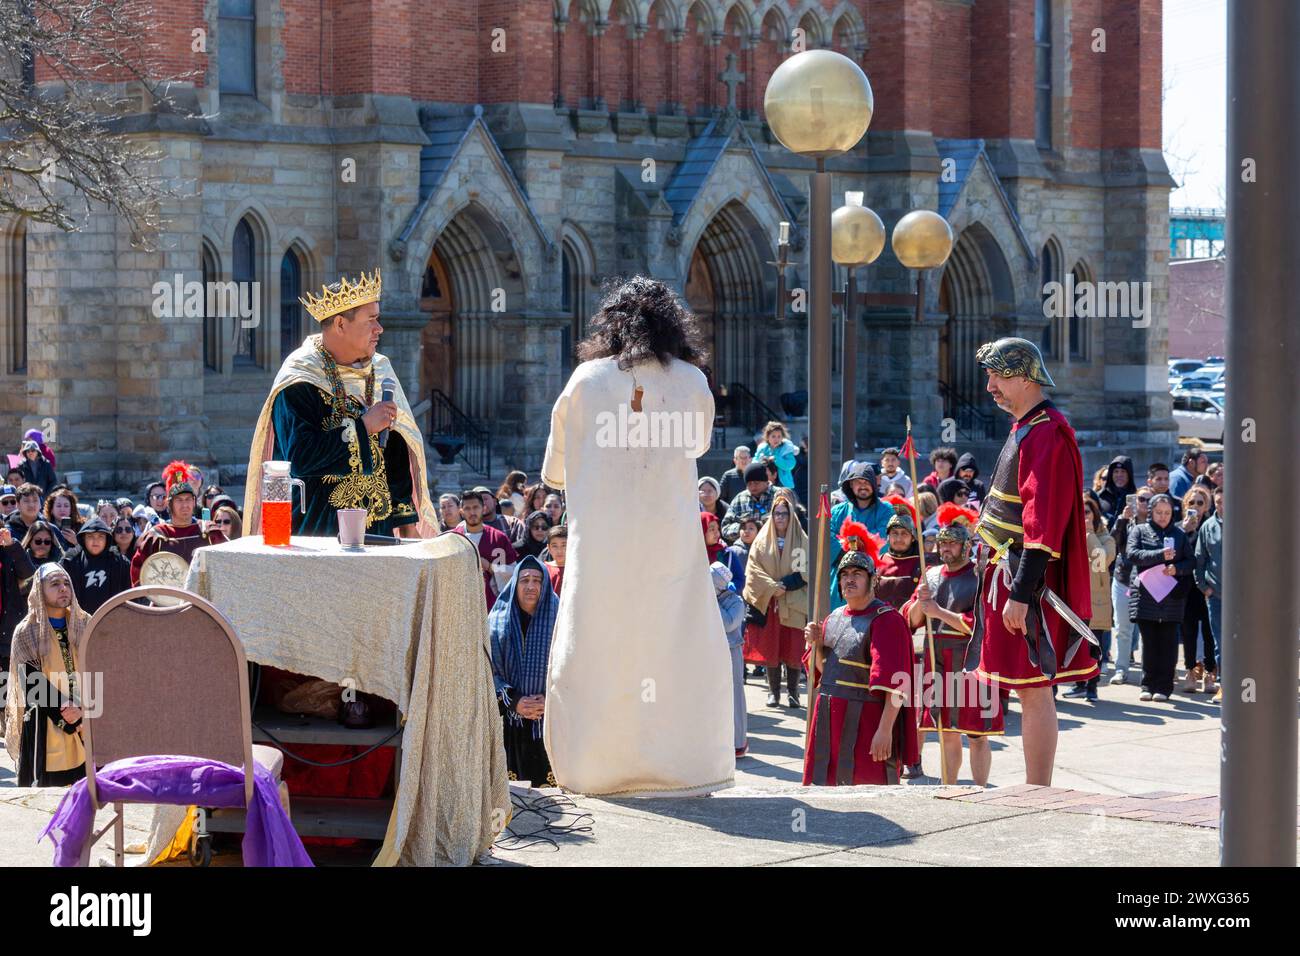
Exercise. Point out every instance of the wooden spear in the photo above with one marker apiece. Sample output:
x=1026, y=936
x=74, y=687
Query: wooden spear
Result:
x=945, y=775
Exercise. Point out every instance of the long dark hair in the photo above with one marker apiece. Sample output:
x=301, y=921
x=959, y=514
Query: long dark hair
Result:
x=640, y=319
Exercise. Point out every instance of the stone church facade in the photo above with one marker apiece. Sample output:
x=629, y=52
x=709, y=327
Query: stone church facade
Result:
x=500, y=159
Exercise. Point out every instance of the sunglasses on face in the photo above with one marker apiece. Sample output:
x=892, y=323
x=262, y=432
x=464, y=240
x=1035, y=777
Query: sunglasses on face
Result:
x=1143, y=500
x=123, y=529
x=42, y=542
x=222, y=521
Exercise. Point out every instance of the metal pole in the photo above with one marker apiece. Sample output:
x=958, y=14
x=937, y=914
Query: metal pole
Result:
x=849, y=368
x=920, y=295
x=1261, y=610
x=819, y=359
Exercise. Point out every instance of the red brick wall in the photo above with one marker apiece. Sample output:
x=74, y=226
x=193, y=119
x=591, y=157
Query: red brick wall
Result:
x=1086, y=71
x=950, y=70
x=615, y=63
x=957, y=69
x=899, y=63
x=652, y=76
x=1002, y=57
x=163, y=43
x=576, y=65
x=1131, y=81
x=693, y=62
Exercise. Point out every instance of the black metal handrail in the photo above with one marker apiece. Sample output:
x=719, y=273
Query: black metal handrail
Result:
x=449, y=426
x=747, y=410
x=973, y=423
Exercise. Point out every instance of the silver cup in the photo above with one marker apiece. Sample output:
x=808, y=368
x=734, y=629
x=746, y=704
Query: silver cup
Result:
x=352, y=528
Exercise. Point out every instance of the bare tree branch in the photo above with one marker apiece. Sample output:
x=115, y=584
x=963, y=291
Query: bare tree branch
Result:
x=62, y=148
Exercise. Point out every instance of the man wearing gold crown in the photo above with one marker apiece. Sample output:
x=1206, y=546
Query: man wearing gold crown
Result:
x=325, y=416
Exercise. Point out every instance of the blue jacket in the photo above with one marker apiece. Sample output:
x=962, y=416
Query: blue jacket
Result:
x=875, y=516
x=785, y=455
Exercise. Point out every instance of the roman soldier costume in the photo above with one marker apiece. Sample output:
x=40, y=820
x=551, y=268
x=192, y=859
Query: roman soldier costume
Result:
x=1032, y=544
x=163, y=556
x=897, y=574
x=867, y=655
x=313, y=420
x=953, y=701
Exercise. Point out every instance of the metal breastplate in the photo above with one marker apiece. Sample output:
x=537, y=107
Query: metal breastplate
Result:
x=955, y=592
x=1001, y=522
x=847, y=639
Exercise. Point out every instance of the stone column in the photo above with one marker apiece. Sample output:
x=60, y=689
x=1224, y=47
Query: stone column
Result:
x=903, y=356
x=533, y=373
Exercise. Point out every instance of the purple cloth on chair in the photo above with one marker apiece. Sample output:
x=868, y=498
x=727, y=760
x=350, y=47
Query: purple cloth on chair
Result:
x=269, y=836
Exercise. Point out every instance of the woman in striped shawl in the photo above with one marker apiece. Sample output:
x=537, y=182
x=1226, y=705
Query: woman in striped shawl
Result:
x=520, y=625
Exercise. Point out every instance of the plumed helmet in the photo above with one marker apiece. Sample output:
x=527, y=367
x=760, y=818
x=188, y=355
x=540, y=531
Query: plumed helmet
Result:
x=1014, y=356
x=857, y=559
x=955, y=522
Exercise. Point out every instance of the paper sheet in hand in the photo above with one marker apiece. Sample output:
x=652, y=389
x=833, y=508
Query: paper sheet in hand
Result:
x=1157, y=583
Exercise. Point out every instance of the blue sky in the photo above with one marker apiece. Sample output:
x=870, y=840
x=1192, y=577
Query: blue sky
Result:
x=1195, y=79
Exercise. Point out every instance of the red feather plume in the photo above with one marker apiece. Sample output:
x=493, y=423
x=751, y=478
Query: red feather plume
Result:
x=899, y=502
x=950, y=511
x=865, y=540
x=176, y=471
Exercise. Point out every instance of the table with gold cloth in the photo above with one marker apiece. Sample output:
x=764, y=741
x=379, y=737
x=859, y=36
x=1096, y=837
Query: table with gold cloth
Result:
x=405, y=622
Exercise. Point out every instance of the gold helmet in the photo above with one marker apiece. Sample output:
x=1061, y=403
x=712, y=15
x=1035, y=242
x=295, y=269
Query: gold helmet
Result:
x=1013, y=356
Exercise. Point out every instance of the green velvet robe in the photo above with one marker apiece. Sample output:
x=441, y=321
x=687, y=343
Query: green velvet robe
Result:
x=339, y=473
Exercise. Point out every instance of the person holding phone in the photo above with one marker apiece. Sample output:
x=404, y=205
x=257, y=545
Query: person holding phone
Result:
x=1159, y=542
x=61, y=511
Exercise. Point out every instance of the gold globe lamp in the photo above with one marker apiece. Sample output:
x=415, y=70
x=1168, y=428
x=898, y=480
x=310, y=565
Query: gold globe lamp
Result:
x=818, y=104
x=857, y=239
x=922, y=240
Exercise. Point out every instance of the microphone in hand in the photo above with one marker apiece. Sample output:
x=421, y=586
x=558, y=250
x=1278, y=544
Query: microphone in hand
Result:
x=390, y=389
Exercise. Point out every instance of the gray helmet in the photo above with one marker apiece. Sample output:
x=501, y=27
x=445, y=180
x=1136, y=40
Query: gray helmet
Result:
x=1014, y=356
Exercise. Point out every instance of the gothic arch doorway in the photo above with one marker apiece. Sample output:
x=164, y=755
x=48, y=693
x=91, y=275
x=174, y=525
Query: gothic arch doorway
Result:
x=975, y=287
x=726, y=287
x=437, y=343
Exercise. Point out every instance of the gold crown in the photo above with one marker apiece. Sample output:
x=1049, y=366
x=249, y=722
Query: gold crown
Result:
x=350, y=295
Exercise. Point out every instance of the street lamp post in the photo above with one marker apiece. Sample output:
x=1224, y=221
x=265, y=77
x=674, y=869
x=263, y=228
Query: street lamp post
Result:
x=922, y=240
x=819, y=105
x=857, y=238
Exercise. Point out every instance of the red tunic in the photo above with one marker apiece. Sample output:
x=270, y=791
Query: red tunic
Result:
x=149, y=545
x=891, y=665
x=1050, y=485
x=773, y=644
x=896, y=577
x=962, y=703
x=496, y=547
x=557, y=576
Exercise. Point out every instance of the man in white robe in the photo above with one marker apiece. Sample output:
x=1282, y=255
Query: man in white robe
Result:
x=639, y=695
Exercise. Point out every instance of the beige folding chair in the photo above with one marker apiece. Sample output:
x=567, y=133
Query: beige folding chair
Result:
x=173, y=681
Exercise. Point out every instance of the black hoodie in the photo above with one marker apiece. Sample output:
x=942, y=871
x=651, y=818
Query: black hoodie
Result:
x=968, y=461
x=1112, y=497
x=96, y=578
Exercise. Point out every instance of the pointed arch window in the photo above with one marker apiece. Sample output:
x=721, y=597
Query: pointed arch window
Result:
x=211, y=316
x=243, y=270
x=291, y=330
x=1077, y=325
x=1050, y=271
x=13, y=299
x=571, y=303
x=237, y=46
x=1043, y=73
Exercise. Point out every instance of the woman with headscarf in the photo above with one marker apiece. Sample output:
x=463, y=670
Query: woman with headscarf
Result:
x=532, y=536
x=712, y=528
x=42, y=712
x=520, y=627
x=777, y=594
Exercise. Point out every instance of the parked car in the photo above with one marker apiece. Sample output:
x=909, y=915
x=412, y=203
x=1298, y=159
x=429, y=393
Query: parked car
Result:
x=1180, y=367
x=1199, y=415
x=1205, y=379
